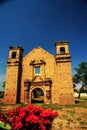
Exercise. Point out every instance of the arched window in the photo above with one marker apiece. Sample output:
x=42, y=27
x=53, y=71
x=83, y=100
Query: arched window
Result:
x=13, y=55
x=62, y=50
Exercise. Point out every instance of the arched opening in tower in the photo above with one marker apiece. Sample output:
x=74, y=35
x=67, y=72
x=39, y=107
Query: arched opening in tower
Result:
x=62, y=50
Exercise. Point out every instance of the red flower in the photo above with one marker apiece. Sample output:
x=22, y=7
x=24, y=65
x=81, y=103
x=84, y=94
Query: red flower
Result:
x=29, y=118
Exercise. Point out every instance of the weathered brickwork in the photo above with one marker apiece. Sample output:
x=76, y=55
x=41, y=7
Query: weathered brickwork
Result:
x=39, y=70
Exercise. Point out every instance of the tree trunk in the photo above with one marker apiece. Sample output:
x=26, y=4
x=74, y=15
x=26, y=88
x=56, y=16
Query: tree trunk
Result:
x=79, y=93
x=81, y=90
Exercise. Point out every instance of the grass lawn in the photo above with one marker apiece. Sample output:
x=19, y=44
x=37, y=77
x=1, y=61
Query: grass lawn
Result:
x=70, y=117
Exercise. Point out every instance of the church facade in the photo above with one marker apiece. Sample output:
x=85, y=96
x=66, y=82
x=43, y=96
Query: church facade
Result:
x=39, y=74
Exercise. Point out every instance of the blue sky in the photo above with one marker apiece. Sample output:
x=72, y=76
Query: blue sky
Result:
x=30, y=23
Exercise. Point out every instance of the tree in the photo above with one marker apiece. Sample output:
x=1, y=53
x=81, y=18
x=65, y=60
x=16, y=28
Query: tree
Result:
x=3, y=84
x=81, y=76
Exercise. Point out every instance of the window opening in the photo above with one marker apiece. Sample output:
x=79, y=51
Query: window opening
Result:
x=62, y=50
x=13, y=55
x=37, y=70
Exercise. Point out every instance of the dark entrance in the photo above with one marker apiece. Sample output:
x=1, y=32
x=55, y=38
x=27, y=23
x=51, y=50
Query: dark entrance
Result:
x=37, y=96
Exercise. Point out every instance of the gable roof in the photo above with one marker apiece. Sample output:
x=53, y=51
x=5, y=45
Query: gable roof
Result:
x=38, y=49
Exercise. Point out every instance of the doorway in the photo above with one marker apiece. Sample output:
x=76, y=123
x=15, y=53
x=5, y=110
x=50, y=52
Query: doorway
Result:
x=37, y=95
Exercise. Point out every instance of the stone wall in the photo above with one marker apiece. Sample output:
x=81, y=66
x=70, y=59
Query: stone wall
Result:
x=54, y=76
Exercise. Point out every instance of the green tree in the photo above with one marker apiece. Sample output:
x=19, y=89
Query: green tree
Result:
x=81, y=76
x=3, y=85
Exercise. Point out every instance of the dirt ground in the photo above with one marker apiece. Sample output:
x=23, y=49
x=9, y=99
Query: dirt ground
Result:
x=71, y=119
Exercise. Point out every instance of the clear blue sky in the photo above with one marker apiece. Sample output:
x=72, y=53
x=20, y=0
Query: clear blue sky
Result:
x=30, y=23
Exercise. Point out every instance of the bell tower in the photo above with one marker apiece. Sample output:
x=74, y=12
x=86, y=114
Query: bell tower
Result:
x=13, y=75
x=64, y=73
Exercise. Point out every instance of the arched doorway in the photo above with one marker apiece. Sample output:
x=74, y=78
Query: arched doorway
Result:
x=37, y=95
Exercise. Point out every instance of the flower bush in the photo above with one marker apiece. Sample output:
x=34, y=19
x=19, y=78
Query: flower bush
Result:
x=28, y=118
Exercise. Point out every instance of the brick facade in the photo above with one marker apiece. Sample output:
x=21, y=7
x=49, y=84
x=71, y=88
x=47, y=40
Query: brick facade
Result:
x=39, y=69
